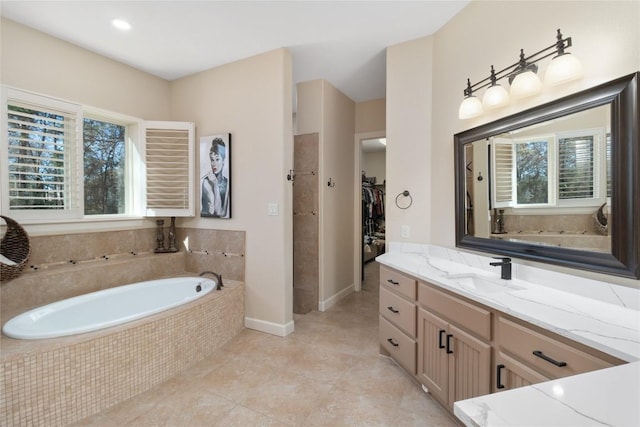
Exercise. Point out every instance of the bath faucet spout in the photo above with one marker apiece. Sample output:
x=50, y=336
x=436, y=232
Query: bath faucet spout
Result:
x=505, y=267
x=217, y=276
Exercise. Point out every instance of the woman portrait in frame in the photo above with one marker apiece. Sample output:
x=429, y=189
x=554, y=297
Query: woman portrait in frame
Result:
x=215, y=176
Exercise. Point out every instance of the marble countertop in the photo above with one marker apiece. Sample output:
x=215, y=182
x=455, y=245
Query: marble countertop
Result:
x=604, y=397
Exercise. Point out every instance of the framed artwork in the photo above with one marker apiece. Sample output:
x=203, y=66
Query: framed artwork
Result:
x=215, y=176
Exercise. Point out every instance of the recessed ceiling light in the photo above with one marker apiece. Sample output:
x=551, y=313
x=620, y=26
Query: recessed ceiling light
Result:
x=121, y=24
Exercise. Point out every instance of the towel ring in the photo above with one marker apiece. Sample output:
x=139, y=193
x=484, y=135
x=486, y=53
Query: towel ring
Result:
x=405, y=193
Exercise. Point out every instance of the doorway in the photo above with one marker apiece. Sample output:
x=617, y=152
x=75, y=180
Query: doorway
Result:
x=369, y=190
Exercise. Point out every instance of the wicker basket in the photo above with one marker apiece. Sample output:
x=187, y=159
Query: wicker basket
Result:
x=16, y=247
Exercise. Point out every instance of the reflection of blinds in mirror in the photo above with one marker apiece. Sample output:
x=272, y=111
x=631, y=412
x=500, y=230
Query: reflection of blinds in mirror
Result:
x=503, y=170
x=608, y=149
x=575, y=167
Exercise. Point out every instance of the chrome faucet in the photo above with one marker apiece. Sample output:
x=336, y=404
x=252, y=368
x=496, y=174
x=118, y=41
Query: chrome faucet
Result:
x=217, y=276
x=505, y=270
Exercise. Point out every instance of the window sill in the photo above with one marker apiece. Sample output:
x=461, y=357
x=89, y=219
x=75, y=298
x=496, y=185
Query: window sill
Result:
x=96, y=223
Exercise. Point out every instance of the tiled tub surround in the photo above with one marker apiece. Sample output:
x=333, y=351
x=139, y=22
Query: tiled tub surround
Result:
x=58, y=381
x=597, y=314
x=38, y=376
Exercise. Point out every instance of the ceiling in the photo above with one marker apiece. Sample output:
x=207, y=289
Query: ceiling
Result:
x=342, y=42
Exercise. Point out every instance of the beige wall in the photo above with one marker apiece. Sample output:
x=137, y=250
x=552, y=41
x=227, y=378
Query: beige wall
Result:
x=409, y=141
x=251, y=99
x=374, y=164
x=370, y=116
x=43, y=64
x=606, y=38
x=324, y=109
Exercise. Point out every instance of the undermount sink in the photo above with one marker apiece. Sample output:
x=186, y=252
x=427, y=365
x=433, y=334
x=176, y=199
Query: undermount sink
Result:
x=474, y=282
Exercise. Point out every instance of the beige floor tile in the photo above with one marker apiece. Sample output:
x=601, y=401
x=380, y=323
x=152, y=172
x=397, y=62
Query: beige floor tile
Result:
x=326, y=373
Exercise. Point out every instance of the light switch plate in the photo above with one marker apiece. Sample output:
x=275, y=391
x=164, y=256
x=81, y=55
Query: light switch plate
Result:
x=272, y=209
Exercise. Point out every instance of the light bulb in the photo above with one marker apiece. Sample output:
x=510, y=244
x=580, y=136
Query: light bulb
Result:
x=470, y=107
x=562, y=69
x=495, y=97
x=526, y=84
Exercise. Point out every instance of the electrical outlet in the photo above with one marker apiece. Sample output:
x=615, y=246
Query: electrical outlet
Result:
x=404, y=231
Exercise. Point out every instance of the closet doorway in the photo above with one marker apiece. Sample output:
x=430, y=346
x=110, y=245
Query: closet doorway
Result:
x=370, y=201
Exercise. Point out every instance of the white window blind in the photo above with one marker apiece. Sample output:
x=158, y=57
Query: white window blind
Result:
x=503, y=169
x=43, y=160
x=575, y=167
x=169, y=159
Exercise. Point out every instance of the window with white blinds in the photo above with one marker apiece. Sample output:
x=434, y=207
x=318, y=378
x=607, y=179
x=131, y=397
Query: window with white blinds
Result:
x=503, y=168
x=43, y=160
x=169, y=159
x=127, y=167
x=575, y=167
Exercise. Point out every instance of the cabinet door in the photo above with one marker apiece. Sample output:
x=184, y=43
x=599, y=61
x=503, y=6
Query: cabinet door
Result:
x=470, y=366
x=433, y=369
x=510, y=374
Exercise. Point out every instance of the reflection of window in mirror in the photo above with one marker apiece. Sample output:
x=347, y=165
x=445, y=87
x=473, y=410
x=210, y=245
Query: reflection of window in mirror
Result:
x=556, y=170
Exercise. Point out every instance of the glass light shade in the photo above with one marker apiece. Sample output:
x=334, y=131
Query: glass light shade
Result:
x=562, y=69
x=495, y=97
x=526, y=84
x=470, y=107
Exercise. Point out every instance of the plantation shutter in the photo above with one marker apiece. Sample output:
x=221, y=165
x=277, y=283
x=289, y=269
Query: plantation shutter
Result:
x=503, y=173
x=608, y=156
x=169, y=159
x=575, y=167
x=42, y=154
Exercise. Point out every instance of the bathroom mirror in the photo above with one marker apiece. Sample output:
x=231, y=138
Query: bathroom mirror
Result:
x=558, y=183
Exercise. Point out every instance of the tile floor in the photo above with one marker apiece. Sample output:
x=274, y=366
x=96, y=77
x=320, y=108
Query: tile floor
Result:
x=327, y=373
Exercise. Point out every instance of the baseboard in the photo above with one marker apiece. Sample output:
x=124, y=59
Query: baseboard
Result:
x=281, y=330
x=334, y=299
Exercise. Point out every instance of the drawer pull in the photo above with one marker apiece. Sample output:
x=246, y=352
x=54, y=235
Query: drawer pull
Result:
x=392, y=343
x=440, y=345
x=449, y=336
x=393, y=310
x=499, y=369
x=543, y=356
x=393, y=282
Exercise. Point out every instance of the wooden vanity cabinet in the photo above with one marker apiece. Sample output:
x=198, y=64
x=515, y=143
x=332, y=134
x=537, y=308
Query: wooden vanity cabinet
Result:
x=527, y=355
x=454, y=350
x=397, y=327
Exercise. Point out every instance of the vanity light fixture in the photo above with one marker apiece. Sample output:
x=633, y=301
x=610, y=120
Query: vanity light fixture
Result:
x=471, y=106
x=496, y=96
x=522, y=77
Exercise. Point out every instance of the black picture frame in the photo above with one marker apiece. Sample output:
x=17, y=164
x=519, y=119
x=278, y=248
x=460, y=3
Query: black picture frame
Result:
x=215, y=179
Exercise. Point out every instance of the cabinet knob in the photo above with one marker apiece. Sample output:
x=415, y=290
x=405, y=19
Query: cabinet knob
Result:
x=543, y=356
x=440, y=343
x=499, y=369
x=449, y=350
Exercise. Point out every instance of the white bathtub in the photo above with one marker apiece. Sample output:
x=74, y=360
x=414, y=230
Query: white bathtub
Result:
x=106, y=308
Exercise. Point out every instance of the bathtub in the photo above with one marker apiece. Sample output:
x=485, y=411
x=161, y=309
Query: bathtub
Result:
x=106, y=308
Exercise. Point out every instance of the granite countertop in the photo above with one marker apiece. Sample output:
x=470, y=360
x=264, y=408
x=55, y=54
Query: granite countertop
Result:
x=608, y=396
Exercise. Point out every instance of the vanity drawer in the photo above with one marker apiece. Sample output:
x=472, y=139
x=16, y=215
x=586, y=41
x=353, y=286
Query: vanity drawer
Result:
x=399, y=311
x=398, y=345
x=473, y=318
x=522, y=342
x=398, y=281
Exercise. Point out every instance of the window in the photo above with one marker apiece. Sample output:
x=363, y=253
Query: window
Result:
x=41, y=137
x=104, y=167
x=551, y=170
x=65, y=161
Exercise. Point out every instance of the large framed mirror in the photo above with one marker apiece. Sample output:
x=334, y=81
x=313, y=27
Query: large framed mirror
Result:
x=558, y=183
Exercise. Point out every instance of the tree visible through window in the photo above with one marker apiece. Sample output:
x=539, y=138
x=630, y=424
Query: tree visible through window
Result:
x=104, y=167
x=532, y=172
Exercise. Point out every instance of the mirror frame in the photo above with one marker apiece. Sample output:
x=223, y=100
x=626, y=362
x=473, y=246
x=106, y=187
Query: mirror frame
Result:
x=623, y=94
